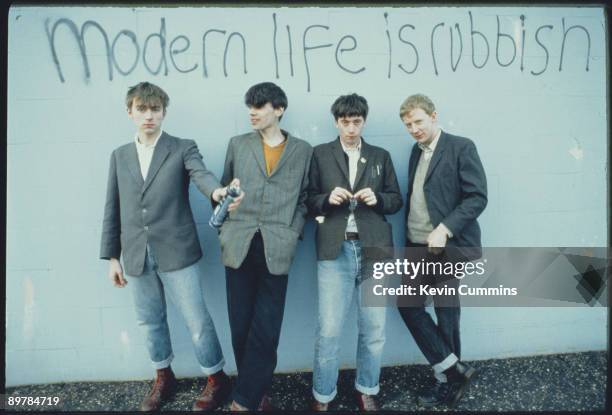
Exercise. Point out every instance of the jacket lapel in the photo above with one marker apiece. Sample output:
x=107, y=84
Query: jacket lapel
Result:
x=338, y=153
x=290, y=146
x=364, y=159
x=415, y=155
x=437, y=155
x=131, y=156
x=257, y=150
x=414, y=160
x=160, y=154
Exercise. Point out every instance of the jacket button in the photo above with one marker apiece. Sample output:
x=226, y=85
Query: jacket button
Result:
x=146, y=228
x=144, y=211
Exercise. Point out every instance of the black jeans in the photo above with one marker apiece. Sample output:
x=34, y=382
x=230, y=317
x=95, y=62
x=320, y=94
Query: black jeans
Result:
x=255, y=304
x=436, y=341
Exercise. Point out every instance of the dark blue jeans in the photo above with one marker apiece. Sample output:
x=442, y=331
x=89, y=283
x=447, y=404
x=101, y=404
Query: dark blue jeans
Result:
x=255, y=303
x=440, y=343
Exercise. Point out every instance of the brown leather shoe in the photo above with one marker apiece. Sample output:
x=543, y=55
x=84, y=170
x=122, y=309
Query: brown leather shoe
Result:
x=366, y=402
x=163, y=389
x=216, y=391
x=318, y=406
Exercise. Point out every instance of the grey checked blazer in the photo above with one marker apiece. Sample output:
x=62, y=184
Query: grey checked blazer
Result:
x=275, y=204
x=154, y=211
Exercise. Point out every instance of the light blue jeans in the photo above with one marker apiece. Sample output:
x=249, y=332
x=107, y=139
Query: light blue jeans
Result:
x=183, y=287
x=338, y=279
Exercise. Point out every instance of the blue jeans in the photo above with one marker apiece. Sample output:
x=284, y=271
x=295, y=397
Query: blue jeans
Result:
x=338, y=279
x=183, y=287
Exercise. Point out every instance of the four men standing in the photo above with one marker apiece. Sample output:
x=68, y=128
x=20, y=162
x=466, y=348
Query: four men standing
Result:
x=348, y=184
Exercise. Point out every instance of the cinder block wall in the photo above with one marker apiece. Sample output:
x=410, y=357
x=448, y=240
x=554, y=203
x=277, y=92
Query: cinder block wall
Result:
x=520, y=90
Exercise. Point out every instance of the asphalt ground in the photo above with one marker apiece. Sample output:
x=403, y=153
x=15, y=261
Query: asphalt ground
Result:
x=558, y=382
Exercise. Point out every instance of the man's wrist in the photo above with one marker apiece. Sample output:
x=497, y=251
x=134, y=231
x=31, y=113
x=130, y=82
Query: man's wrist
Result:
x=442, y=226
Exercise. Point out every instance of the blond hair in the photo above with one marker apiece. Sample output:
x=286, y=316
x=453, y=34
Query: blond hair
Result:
x=417, y=101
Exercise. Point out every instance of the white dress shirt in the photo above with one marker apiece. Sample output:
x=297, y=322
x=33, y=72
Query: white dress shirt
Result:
x=145, y=154
x=353, y=154
x=428, y=150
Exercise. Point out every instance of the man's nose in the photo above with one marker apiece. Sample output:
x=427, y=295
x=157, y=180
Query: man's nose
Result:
x=148, y=114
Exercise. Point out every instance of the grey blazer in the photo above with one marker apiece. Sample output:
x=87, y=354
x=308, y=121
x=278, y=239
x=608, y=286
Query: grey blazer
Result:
x=329, y=169
x=275, y=204
x=455, y=191
x=154, y=211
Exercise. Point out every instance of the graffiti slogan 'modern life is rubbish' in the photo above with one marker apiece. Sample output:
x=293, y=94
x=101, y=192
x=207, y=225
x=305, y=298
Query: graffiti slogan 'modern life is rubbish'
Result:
x=466, y=44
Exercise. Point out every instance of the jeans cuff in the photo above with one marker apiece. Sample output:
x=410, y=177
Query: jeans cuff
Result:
x=324, y=398
x=449, y=361
x=164, y=363
x=440, y=377
x=367, y=391
x=214, y=369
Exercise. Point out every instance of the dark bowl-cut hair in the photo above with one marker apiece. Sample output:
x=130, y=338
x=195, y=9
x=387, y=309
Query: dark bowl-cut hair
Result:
x=351, y=105
x=260, y=94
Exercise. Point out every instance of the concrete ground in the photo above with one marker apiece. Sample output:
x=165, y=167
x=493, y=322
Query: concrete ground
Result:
x=559, y=382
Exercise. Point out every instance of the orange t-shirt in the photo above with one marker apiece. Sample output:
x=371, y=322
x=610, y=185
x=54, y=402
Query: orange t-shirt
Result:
x=272, y=155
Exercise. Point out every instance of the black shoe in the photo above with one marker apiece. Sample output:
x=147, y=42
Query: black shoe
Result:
x=459, y=376
x=438, y=394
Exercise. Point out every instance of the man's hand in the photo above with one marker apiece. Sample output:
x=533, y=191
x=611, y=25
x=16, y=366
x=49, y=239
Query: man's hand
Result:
x=115, y=273
x=339, y=196
x=436, y=241
x=367, y=196
x=220, y=193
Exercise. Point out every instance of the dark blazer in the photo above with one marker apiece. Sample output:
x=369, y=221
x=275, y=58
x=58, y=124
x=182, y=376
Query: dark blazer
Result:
x=274, y=204
x=329, y=169
x=455, y=190
x=154, y=211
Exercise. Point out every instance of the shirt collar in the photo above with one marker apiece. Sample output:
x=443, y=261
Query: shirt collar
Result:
x=347, y=149
x=432, y=146
x=142, y=145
